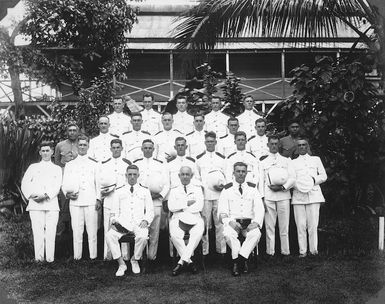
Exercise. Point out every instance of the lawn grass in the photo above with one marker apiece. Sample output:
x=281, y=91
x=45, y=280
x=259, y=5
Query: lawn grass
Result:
x=325, y=279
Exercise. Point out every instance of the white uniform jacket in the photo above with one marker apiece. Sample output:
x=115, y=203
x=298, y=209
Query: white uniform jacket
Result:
x=233, y=205
x=83, y=170
x=183, y=122
x=207, y=162
x=226, y=145
x=196, y=142
x=216, y=122
x=165, y=142
x=116, y=167
x=133, y=208
x=247, y=122
x=258, y=145
x=100, y=146
x=265, y=164
x=309, y=165
x=119, y=123
x=178, y=200
x=147, y=168
x=247, y=158
x=132, y=143
x=152, y=122
x=42, y=178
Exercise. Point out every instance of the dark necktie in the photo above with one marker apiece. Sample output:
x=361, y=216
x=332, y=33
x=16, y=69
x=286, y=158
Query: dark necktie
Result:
x=132, y=189
x=240, y=189
x=185, y=189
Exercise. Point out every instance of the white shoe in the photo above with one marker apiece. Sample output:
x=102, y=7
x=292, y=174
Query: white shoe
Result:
x=135, y=266
x=121, y=270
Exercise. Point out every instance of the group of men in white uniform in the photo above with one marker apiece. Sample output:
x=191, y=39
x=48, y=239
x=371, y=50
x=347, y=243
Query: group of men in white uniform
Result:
x=181, y=172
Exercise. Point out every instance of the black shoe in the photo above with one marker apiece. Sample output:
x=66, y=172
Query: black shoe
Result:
x=245, y=267
x=193, y=268
x=177, y=270
x=235, y=271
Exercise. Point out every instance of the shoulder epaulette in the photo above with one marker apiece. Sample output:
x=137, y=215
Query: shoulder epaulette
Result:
x=171, y=158
x=251, y=138
x=200, y=155
x=126, y=132
x=227, y=186
x=251, y=184
x=220, y=155
x=92, y=159
x=231, y=154
x=159, y=132
x=178, y=131
x=156, y=111
x=119, y=187
x=223, y=136
x=263, y=157
x=126, y=161
x=137, y=160
x=145, y=132
x=143, y=186
x=106, y=161
x=190, y=133
x=250, y=153
x=190, y=158
x=114, y=135
x=158, y=160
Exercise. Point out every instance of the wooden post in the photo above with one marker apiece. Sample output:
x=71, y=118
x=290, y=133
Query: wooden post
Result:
x=171, y=75
x=381, y=233
x=283, y=73
x=227, y=61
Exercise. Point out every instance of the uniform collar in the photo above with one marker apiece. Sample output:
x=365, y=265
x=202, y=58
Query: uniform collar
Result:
x=305, y=156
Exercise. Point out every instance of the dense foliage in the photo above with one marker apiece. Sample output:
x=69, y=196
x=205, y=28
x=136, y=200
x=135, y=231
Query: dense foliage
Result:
x=343, y=117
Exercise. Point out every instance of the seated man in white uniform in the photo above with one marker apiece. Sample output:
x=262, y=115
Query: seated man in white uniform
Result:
x=307, y=197
x=41, y=185
x=133, y=213
x=241, y=210
x=186, y=203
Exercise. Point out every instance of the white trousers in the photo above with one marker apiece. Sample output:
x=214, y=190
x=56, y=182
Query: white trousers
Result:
x=44, y=232
x=113, y=237
x=251, y=240
x=154, y=233
x=87, y=215
x=176, y=234
x=107, y=225
x=280, y=209
x=306, y=218
x=210, y=212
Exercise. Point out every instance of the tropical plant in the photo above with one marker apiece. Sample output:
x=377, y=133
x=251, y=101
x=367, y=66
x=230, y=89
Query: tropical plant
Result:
x=212, y=21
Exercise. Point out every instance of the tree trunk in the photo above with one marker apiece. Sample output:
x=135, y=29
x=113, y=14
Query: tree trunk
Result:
x=17, y=92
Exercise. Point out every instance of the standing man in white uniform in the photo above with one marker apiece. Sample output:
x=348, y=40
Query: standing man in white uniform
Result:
x=165, y=139
x=41, y=185
x=149, y=167
x=226, y=144
x=186, y=203
x=183, y=121
x=248, y=117
x=196, y=138
x=276, y=197
x=80, y=185
x=307, y=200
x=132, y=140
x=113, y=168
x=133, y=214
x=119, y=122
x=257, y=144
x=100, y=145
x=216, y=121
x=151, y=118
x=241, y=155
x=241, y=210
x=211, y=162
